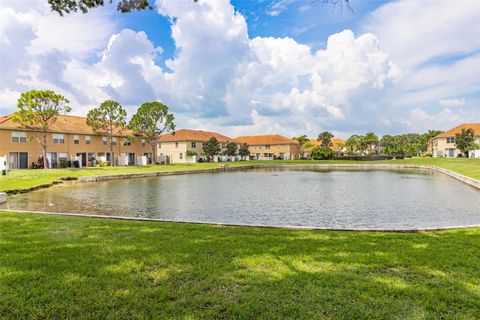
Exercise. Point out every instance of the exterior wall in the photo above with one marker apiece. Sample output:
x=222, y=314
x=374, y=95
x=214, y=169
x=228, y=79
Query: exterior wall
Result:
x=96, y=146
x=442, y=148
x=177, y=151
x=267, y=152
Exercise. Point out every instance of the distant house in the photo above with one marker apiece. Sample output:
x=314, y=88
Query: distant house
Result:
x=269, y=147
x=69, y=139
x=176, y=146
x=338, y=145
x=443, y=145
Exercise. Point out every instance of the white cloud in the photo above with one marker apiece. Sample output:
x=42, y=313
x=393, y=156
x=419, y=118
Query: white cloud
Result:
x=455, y=102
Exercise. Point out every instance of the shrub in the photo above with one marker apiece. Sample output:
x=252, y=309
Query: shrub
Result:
x=102, y=164
x=322, y=153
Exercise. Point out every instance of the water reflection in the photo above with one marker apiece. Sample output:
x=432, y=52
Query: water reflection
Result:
x=324, y=198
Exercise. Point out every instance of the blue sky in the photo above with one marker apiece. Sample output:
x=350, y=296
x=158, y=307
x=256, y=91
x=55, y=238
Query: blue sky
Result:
x=256, y=67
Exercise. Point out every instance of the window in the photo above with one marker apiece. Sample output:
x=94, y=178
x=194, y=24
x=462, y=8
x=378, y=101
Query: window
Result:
x=88, y=140
x=160, y=146
x=194, y=144
x=181, y=155
x=76, y=140
x=176, y=144
x=19, y=137
x=91, y=156
x=58, y=139
x=451, y=140
x=143, y=142
x=267, y=146
x=104, y=141
x=62, y=157
x=114, y=141
x=127, y=142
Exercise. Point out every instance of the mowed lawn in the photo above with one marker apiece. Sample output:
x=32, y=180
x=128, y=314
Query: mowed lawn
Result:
x=25, y=179
x=71, y=267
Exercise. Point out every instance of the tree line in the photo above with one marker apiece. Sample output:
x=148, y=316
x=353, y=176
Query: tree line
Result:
x=402, y=145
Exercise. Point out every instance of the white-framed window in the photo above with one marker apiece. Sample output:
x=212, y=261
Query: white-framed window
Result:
x=114, y=141
x=194, y=144
x=58, y=138
x=19, y=137
x=91, y=156
x=267, y=146
x=143, y=142
x=160, y=145
x=88, y=140
x=104, y=141
x=127, y=142
x=451, y=140
x=176, y=144
x=62, y=156
x=76, y=139
x=181, y=155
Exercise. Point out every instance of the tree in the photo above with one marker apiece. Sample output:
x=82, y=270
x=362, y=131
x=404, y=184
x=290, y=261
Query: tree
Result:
x=211, y=148
x=151, y=121
x=325, y=138
x=353, y=144
x=370, y=139
x=304, y=142
x=66, y=6
x=465, y=141
x=243, y=151
x=322, y=153
x=38, y=110
x=231, y=149
x=108, y=119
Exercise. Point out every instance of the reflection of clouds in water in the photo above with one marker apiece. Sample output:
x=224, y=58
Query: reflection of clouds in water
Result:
x=325, y=198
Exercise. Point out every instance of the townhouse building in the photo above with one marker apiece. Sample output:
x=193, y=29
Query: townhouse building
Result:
x=269, y=147
x=443, y=145
x=177, y=145
x=69, y=139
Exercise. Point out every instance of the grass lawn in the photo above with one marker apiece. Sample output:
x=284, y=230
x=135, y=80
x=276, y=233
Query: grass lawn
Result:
x=25, y=179
x=69, y=267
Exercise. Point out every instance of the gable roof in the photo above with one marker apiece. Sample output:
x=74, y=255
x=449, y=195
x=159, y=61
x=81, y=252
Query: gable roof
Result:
x=193, y=135
x=458, y=129
x=335, y=144
x=266, y=139
x=63, y=124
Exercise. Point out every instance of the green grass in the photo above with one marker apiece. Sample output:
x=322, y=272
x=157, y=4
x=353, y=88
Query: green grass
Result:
x=25, y=179
x=70, y=267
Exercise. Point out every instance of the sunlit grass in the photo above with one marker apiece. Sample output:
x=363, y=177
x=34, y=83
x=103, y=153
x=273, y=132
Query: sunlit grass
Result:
x=70, y=267
x=25, y=179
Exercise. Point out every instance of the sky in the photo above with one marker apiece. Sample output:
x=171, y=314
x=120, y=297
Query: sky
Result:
x=288, y=67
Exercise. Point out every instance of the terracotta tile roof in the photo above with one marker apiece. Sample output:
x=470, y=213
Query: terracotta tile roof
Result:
x=457, y=129
x=266, y=139
x=63, y=124
x=194, y=135
x=335, y=143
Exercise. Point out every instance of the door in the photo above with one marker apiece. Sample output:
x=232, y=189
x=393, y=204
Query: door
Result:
x=131, y=159
x=83, y=159
x=18, y=160
x=53, y=160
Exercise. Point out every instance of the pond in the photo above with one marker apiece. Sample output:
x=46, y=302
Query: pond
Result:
x=345, y=198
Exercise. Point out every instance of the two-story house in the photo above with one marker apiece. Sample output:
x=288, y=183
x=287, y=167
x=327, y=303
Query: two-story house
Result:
x=443, y=145
x=269, y=147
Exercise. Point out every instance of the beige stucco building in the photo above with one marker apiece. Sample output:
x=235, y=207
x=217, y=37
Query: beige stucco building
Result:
x=176, y=145
x=269, y=147
x=443, y=145
x=69, y=139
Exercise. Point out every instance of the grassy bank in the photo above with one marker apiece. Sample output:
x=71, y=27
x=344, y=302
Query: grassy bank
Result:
x=68, y=267
x=25, y=179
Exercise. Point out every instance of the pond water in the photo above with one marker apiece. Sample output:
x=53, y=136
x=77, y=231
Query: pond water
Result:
x=343, y=198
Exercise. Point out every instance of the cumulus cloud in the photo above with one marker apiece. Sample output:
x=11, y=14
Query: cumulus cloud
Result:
x=219, y=77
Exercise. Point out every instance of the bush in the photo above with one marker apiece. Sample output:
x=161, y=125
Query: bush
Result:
x=101, y=164
x=322, y=153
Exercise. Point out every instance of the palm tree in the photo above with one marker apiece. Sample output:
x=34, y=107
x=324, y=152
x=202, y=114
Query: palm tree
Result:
x=326, y=138
x=370, y=139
